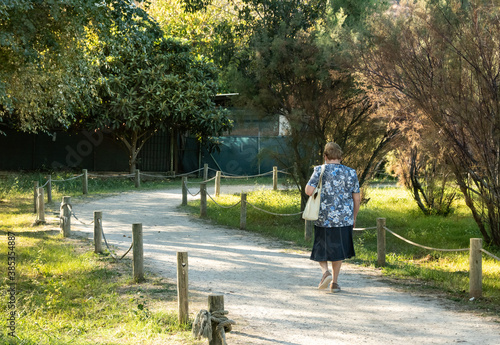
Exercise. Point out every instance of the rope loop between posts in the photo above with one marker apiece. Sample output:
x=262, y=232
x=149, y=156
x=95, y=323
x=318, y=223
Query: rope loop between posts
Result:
x=275, y=214
x=111, y=176
x=425, y=247
x=187, y=189
x=490, y=254
x=74, y=215
x=106, y=242
x=202, y=326
x=226, y=175
x=69, y=179
x=364, y=229
x=226, y=207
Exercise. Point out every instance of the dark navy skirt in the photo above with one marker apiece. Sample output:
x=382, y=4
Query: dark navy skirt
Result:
x=332, y=244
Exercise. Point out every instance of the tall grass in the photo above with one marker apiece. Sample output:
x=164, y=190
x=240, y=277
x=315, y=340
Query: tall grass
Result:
x=446, y=272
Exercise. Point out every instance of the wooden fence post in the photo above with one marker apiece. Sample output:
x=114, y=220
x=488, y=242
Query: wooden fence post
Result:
x=40, y=207
x=49, y=189
x=182, y=287
x=98, y=232
x=205, y=172
x=85, y=182
x=215, y=303
x=138, y=254
x=35, y=195
x=308, y=230
x=217, y=183
x=137, y=178
x=65, y=215
x=381, y=242
x=275, y=178
x=243, y=212
x=475, y=268
x=184, y=191
x=203, y=199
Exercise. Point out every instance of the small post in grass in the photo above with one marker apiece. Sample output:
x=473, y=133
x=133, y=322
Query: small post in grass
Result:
x=138, y=253
x=475, y=268
x=215, y=303
x=308, y=230
x=205, y=172
x=65, y=215
x=243, y=212
x=182, y=287
x=85, y=182
x=381, y=242
x=98, y=232
x=275, y=178
x=203, y=199
x=49, y=189
x=217, y=183
x=137, y=178
x=35, y=195
x=184, y=191
x=40, y=206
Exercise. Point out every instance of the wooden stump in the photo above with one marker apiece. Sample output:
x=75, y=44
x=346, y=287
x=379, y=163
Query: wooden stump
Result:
x=65, y=215
x=475, y=268
x=215, y=303
x=243, y=212
x=381, y=242
x=138, y=254
x=98, y=232
x=182, y=287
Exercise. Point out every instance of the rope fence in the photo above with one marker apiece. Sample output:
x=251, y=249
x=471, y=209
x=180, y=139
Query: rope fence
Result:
x=109, y=249
x=226, y=207
x=275, y=214
x=490, y=254
x=67, y=212
x=364, y=229
x=475, y=258
x=138, y=174
x=425, y=247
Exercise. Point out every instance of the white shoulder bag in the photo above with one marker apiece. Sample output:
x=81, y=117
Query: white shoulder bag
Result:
x=311, y=211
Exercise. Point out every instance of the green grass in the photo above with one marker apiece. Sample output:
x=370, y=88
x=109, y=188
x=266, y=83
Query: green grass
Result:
x=443, y=272
x=66, y=294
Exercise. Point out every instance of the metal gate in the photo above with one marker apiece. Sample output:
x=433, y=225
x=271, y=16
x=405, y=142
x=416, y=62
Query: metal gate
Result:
x=155, y=154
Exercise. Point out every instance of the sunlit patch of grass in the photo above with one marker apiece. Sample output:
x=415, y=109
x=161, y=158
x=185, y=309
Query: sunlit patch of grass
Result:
x=68, y=294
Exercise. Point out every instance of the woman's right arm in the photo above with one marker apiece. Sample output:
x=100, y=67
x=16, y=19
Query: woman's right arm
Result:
x=309, y=190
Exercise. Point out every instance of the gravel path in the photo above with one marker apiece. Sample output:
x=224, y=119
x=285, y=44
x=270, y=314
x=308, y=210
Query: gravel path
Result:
x=270, y=292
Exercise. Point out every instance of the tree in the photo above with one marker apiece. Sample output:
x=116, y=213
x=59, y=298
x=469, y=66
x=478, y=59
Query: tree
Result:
x=46, y=80
x=444, y=58
x=211, y=31
x=419, y=161
x=288, y=70
x=149, y=84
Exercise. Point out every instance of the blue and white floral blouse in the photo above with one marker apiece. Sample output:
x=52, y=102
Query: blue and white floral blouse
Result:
x=339, y=182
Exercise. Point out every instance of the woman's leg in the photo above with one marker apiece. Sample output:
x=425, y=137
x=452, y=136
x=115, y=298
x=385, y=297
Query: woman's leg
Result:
x=336, y=270
x=327, y=276
x=324, y=266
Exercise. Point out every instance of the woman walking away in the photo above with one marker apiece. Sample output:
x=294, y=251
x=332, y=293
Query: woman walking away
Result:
x=340, y=202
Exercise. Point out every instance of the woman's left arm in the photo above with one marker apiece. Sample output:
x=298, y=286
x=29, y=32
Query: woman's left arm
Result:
x=356, y=197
